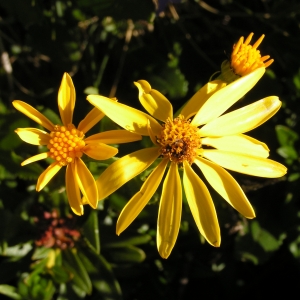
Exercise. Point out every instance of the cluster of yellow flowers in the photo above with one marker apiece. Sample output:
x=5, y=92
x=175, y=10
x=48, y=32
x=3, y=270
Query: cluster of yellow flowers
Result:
x=201, y=135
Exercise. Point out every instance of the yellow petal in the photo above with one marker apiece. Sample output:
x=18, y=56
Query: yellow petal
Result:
x=33, y=114
x=127, y=117
x=33, y=136
x=47, y=175
x=113, y=137
x=92, y=118
x=226, y=186
x=86, y=183
x=35, y=158
x=141, y=198
x=124, y=169
x=238, y=143
x=197, y=101
x=169, y=213
x=152, y=135
x=224, y=98
x=246, y=164
x=100, y=151
x=73, y=192
x=154, y=102
x=201, y=205
x=66, y=99
x=243, y=119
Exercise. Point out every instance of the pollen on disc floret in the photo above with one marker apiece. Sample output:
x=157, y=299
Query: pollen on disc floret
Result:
x=66, y=143
x=179, y=140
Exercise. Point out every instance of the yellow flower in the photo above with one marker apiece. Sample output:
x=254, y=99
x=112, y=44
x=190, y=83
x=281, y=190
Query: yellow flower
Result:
x=246, y=58
x=180, y=142
x=67, y=144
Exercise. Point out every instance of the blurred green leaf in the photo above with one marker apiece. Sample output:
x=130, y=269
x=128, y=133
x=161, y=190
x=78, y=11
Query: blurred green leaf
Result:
x=9, y=139
x=288, y=152
x=135, y=240
x=40, y=253
x=91, y=230
x=286, y=136
x=59, y=274
x=91, y=90
x=52, y=116
x=126, y=254
x=79, y=273
x=17, y=250
x=102, y=275
x=265, y=239
x=9, y=291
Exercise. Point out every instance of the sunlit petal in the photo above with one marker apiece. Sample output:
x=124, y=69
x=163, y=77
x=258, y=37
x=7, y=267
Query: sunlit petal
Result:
x=197, y=101
x=33, y=114
x=47, y=175
x=243, y=119
x=221, y=100
x=169, y=213
x=33, y=136
x=86, y=183
x=152, y=135
x=154, y=102
x=66, y=99
x=201, y=205
x=35, y=158
x=92, y=118
x=124, y=169
x=73, y=192
x=127, y=117
x=99, y=151
x=246, y=164
x=113, y=137
x=226, y=186
x=238, y=143
x=141, y=198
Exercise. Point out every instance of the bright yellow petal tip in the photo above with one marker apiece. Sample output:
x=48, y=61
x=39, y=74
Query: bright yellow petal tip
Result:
x=66, y=99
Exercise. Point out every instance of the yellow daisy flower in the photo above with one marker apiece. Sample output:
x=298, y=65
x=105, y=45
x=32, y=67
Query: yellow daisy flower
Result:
x=67, y=144
x=181, y=142
x=246, y=58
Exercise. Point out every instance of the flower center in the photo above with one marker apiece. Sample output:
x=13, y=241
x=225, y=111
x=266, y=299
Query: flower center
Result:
x=65, y=144
x=246, y=58
x=179, y=140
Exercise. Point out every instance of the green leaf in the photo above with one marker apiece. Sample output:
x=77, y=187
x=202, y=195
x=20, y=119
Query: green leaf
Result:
x=10, y=140
x=9, y=291
x=52, y=116
x=285, y=135
x=102, y=275
x=40, y=253
x=18, y=250
x=59, y=274
x=91, y=90
x=266, y=240
x=80, y=275
x=288, y=152
x=135, y=240
x=127, y=254
x=91, y=230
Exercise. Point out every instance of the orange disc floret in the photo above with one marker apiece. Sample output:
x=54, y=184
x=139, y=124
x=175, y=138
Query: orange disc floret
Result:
x=179, y=140
x=65, y=144
x=246, y=58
